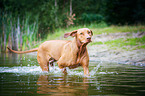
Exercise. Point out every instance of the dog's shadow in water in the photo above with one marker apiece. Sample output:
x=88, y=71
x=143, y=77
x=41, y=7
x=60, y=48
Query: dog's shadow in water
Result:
x=64, y=85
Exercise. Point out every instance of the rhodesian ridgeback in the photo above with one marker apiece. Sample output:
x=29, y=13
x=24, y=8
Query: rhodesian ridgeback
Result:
x=70, y=54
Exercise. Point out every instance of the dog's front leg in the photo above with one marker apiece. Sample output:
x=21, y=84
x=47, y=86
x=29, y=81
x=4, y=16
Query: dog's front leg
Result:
x=62, y=67
x=64, y=71
x=85, y=65
x=86, y=70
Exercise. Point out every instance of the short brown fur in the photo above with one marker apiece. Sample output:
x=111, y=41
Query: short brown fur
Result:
x=70, y=54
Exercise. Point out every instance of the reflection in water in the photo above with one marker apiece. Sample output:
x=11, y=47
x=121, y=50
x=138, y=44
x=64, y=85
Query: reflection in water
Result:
x=12, y=59
x=9, y=57
x=21, y=75
x=62, y=86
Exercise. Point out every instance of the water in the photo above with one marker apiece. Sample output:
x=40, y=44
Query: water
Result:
x=21, y=75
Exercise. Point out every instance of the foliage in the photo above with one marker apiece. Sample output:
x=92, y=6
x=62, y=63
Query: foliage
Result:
x=91, y=18
x=18, y=34
x=124, y=12
x=49, y=16
x=53, y=14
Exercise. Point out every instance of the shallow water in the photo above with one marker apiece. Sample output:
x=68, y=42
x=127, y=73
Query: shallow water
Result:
x=22, y=75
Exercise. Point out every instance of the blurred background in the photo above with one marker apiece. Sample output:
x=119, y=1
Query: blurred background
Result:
x=25, y=23
x=117, y=50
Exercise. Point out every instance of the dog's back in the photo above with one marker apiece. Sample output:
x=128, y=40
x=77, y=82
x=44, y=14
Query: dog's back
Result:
x=53, y=48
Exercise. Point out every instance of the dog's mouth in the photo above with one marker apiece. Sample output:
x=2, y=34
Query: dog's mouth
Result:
x=89, y=40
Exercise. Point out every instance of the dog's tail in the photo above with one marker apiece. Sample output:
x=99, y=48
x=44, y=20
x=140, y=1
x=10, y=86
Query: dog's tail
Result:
x=21, y=52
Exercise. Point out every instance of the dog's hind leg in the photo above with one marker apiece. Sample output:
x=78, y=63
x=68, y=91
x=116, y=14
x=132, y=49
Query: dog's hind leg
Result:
x=64, y=71
x=51, y=61
x=43, y=61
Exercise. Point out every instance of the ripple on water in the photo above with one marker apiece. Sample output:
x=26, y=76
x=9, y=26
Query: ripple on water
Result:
x=36, y=70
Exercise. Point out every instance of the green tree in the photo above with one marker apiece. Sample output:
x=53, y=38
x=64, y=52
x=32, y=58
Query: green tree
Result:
x=125, y=11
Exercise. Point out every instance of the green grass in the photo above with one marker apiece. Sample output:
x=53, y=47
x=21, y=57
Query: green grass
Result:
x=27, y=35
x=127, y=43
x=96, y=43
x=60, y=31
x=140, y=47
x=97, y=29
x=115, y=29
x=124, y=43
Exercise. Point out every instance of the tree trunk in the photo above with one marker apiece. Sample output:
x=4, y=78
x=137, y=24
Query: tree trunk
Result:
x=56, y=19
x=70, y=7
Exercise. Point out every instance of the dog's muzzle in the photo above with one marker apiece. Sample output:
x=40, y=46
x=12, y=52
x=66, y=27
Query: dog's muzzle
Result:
x=89, y=39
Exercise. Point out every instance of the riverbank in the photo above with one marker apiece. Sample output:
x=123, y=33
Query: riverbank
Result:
x=120, y=52
x=121, y=44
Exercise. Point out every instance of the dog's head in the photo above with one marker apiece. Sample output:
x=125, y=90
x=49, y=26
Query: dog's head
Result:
x=84, y=35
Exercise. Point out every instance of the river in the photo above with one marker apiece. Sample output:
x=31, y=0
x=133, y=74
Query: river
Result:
x=21, y=75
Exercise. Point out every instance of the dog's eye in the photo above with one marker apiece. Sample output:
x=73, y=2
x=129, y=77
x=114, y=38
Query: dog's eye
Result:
x=89, y=32
x=81, y=33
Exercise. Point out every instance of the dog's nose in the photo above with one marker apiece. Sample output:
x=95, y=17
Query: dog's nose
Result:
x=88, y=37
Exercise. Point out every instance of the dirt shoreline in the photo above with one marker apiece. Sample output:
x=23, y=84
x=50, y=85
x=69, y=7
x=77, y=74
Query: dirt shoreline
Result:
x=103, y=53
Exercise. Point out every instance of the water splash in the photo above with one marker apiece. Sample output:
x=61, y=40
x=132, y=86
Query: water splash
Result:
x=94, y=71
x=20, y=69
x=36, y=70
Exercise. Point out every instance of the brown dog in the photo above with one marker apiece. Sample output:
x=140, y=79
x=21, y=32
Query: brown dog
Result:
x=70, y=54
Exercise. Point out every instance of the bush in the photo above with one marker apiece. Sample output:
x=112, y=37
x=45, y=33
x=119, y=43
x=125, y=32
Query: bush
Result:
x=90, y=18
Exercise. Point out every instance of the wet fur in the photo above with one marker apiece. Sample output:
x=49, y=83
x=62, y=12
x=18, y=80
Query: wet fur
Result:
x=70, y=54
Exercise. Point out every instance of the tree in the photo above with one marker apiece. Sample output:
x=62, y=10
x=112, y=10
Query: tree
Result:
x=125, y=12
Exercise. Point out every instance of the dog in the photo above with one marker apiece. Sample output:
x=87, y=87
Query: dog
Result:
x=67, y=53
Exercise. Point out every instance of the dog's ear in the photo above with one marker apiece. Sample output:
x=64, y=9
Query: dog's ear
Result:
x=91, y=32
x=73, y=33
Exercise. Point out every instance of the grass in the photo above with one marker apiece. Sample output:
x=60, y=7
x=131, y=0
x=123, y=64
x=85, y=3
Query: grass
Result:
x=124, y=43
x=96, y=43
x=60, y=31
x=17, y=34
x=127, y=42
x=102, y=28
x=115, y=29
x=98, y=29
